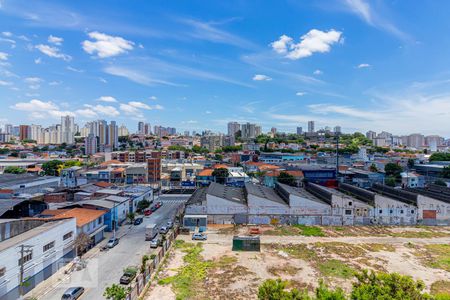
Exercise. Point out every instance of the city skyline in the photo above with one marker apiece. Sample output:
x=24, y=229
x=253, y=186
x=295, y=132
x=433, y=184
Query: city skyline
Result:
x=349, y=63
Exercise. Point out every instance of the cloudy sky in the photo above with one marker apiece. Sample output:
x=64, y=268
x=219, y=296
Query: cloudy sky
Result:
x=379, y=65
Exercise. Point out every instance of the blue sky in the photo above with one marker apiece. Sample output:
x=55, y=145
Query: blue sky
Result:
x=379, y=65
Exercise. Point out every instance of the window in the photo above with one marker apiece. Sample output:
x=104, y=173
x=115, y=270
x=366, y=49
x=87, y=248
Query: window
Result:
x=2, y=271
x=401, y=211
x=350, y=203
x=391, y=211
x=67, y=235
x=412, y=211
x=348, y=211
x=48, y=246
x=380, y=211
x=26, y=258
x=99, y=220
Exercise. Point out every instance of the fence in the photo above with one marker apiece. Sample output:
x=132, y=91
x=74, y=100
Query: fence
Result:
x=142, y=279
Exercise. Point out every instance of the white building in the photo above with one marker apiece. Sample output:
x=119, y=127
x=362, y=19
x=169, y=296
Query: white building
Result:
x=67, y=129
x=46, y=248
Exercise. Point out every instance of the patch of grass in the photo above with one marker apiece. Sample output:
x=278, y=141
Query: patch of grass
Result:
x=309, y=230
x=344, y=250
x=335, y=268
x=225, y=261
x=419, y=234
x=440, y=287
x=189, y=277
x=438, y=256
x=373, y=247
x=283, y=269
x=282, y=230
x=299, y=251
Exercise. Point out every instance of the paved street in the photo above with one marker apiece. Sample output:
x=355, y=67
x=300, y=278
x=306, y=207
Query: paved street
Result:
x=106, y=268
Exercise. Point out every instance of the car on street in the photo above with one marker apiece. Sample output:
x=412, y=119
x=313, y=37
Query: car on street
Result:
x=73, y=293
x=156, y=242
x=128, y=275
x=153, y=208
x=169, y=225
x=148, y=212
x=138, y=221
x=199, y=237
x=163, y=230
x=159, y=204
x=112, y=243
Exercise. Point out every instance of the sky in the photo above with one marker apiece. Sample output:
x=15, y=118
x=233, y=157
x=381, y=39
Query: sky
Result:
x=194, y=65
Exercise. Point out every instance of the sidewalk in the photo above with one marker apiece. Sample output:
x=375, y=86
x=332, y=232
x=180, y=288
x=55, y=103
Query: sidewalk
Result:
x=60, y=276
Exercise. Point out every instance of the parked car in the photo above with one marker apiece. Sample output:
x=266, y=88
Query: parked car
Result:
x=148, y=212
x=156, y=242
x=138, y=221
x=199, y=237
x=73, y=293
x=112, y=243
x=153, y=208
x=255, y=230
x=128, y=275
x=159, y=204
x=163, y=230
x=169, y=225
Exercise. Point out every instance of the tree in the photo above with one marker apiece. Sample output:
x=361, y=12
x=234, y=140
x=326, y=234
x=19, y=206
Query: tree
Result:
x=143, y=204
x=286, y=178
x=373, y=168
x=390, y=181
x=387, y=286
x=393, y=169
x=14, y=170
x=115, y=292
x=276, y=290
x=446, y=172
x=131, y=216
x=52, y=167
x=440, y=182
x=4, y=151
x=218, y=157
x=411, y=163
x=220, y=175
x=82, y=241
x=145, y=258
x=440, y=156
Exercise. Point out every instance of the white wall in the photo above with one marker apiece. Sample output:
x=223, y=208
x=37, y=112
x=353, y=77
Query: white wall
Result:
x=219, y=206
x=262, y=206
x=394, y=212
x=427, y=203
x=305, y=206
x=9, y=258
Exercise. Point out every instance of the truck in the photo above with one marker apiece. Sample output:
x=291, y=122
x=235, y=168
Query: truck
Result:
x=151, y=231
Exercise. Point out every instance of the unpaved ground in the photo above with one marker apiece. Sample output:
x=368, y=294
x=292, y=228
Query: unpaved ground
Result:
x=304, y=260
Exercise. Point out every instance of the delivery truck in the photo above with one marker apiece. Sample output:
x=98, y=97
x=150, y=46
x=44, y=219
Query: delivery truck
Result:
x=151, y=231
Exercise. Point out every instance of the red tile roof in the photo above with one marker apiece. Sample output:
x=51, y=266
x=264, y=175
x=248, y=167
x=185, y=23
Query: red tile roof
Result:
x=82, y=215
x=103, y=184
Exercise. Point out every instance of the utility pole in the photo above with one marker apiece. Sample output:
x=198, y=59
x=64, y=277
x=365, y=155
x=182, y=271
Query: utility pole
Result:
x=24, y=250
x=337, y=155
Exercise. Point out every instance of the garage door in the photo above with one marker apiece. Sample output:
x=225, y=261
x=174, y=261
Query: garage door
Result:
x=429, y=214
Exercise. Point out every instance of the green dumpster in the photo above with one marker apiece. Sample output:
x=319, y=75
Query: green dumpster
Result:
x=246, y=243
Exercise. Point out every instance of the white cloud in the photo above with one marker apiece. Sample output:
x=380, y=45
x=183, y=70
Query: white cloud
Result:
x=32, y=80
x=35, y=105
x=4, y=56
x=135, y=76
x=38, y=61
x=107, y=99
x=53, y=52
x=7, y=33
x=103, y=80
x=86, y=113
x=74, y=69
x=5, y=83
x=106, y=110
x=157, y=107
x=317, y=72
x=106, y=45
x=53, y=83
x=300, y=94
x=208, y=112
x=153, y=98
x=363, y=9
x=361, y=66
x=314, y=41
x=261, y=77
x=139, y=105
x=55, y=40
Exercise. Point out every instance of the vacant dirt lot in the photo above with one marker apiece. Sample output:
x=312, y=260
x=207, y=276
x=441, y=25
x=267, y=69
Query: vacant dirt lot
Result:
x=210, y=270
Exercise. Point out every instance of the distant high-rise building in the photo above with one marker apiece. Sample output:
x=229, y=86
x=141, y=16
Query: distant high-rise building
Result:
x=147, y=129
x=24, y=132
x=141, y=128
x=250, y=131
x=67, y=129
x=416, y=140
x=186, y=133
x=273, y=130
x=90, y=144
x=434, y=141
x=337, y=130
x=36, y=133
x=103, y=132
x=371, y=134
x=8, y=129
x=311, y=127
x=299, y=130
x=123, y=130
x=113, y=135
x=233, y=127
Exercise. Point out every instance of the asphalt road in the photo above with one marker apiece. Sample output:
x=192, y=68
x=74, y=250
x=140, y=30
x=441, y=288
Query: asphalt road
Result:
x=106, y=267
